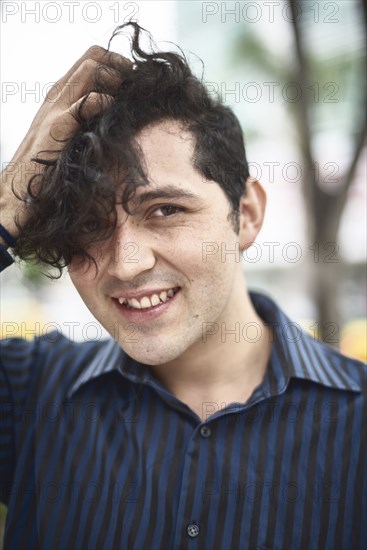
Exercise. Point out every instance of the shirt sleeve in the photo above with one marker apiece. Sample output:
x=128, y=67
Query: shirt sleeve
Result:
x=5, y=258
x=17, y=358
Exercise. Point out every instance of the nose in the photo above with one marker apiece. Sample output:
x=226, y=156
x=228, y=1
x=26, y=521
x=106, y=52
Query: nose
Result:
x=131, y=251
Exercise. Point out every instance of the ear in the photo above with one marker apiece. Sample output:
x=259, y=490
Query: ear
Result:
x=252, y=210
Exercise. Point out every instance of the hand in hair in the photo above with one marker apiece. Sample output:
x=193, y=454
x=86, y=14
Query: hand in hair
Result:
x=54, y=124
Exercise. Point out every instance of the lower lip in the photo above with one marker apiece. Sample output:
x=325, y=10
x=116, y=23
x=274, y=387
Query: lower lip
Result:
x=145, y=315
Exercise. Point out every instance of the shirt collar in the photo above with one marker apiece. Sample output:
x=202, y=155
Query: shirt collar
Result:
x=110, y=357
x=295, y=355
x=301, y=355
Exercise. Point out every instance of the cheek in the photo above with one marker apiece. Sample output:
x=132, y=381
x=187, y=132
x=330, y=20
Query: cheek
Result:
x=222, y=251
x=211, y=269
x=86, y=287
x=83, y=276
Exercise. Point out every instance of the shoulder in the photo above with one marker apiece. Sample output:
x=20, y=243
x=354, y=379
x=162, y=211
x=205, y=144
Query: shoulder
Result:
x=339, y=369
x=305, y=357
x=24, y=363
x=50, y=347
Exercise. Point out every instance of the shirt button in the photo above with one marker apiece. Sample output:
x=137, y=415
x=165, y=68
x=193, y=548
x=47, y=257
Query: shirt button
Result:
x=193, y=530
x=205, y=431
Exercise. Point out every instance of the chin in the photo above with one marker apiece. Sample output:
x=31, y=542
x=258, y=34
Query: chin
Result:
x=152, y=354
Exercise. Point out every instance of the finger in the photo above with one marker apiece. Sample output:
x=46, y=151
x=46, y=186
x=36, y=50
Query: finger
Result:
x=61, y=130
x=97, y=54
x=84, y=81
x=100, y=55
x=91, y=105
x=65, y=126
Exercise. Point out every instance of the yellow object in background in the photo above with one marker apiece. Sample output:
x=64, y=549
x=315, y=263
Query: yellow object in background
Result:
x=26, y=319
x=353, y=341
x=352, y=338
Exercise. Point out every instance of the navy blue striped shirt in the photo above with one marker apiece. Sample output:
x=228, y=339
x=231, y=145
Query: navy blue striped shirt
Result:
x=97, y=454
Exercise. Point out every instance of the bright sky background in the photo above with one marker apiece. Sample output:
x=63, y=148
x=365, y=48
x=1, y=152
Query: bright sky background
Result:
x=36, y=51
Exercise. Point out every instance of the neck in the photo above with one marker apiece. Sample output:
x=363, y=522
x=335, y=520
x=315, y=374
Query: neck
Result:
x=227, y=363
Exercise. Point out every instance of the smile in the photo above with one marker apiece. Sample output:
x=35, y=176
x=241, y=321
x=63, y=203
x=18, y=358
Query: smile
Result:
x=149, y=301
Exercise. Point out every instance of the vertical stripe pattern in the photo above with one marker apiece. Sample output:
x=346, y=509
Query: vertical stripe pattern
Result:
x=97, y=454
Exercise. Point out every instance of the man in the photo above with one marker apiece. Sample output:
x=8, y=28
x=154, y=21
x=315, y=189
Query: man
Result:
x=168, y=435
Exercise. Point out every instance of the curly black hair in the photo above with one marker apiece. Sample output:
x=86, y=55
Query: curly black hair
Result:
x=74, y=204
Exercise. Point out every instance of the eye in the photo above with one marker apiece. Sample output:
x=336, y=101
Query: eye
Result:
x=90, y=227
x=166, y=210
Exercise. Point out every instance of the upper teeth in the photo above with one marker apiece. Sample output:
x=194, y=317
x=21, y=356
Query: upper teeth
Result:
x=148, y=301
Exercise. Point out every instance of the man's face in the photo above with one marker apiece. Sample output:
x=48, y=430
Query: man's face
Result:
x=166, y=255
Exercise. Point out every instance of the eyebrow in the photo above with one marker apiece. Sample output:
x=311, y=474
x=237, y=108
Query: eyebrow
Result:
x=166, y=192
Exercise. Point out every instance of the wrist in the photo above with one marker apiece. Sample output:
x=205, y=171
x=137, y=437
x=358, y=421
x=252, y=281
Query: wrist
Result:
x=6, y=236
x=9, y=212
x=5, y=258
x=13, y=190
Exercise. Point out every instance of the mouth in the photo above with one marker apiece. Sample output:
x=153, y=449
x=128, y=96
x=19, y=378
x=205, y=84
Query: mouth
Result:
x=147, y=306
x=150, y=300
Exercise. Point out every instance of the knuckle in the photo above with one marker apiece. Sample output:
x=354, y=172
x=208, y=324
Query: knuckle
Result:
x=93, y=97
x=88, y=66
x=53, y=92
x=63, y=124
x=57, y=120
x=95, y=52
